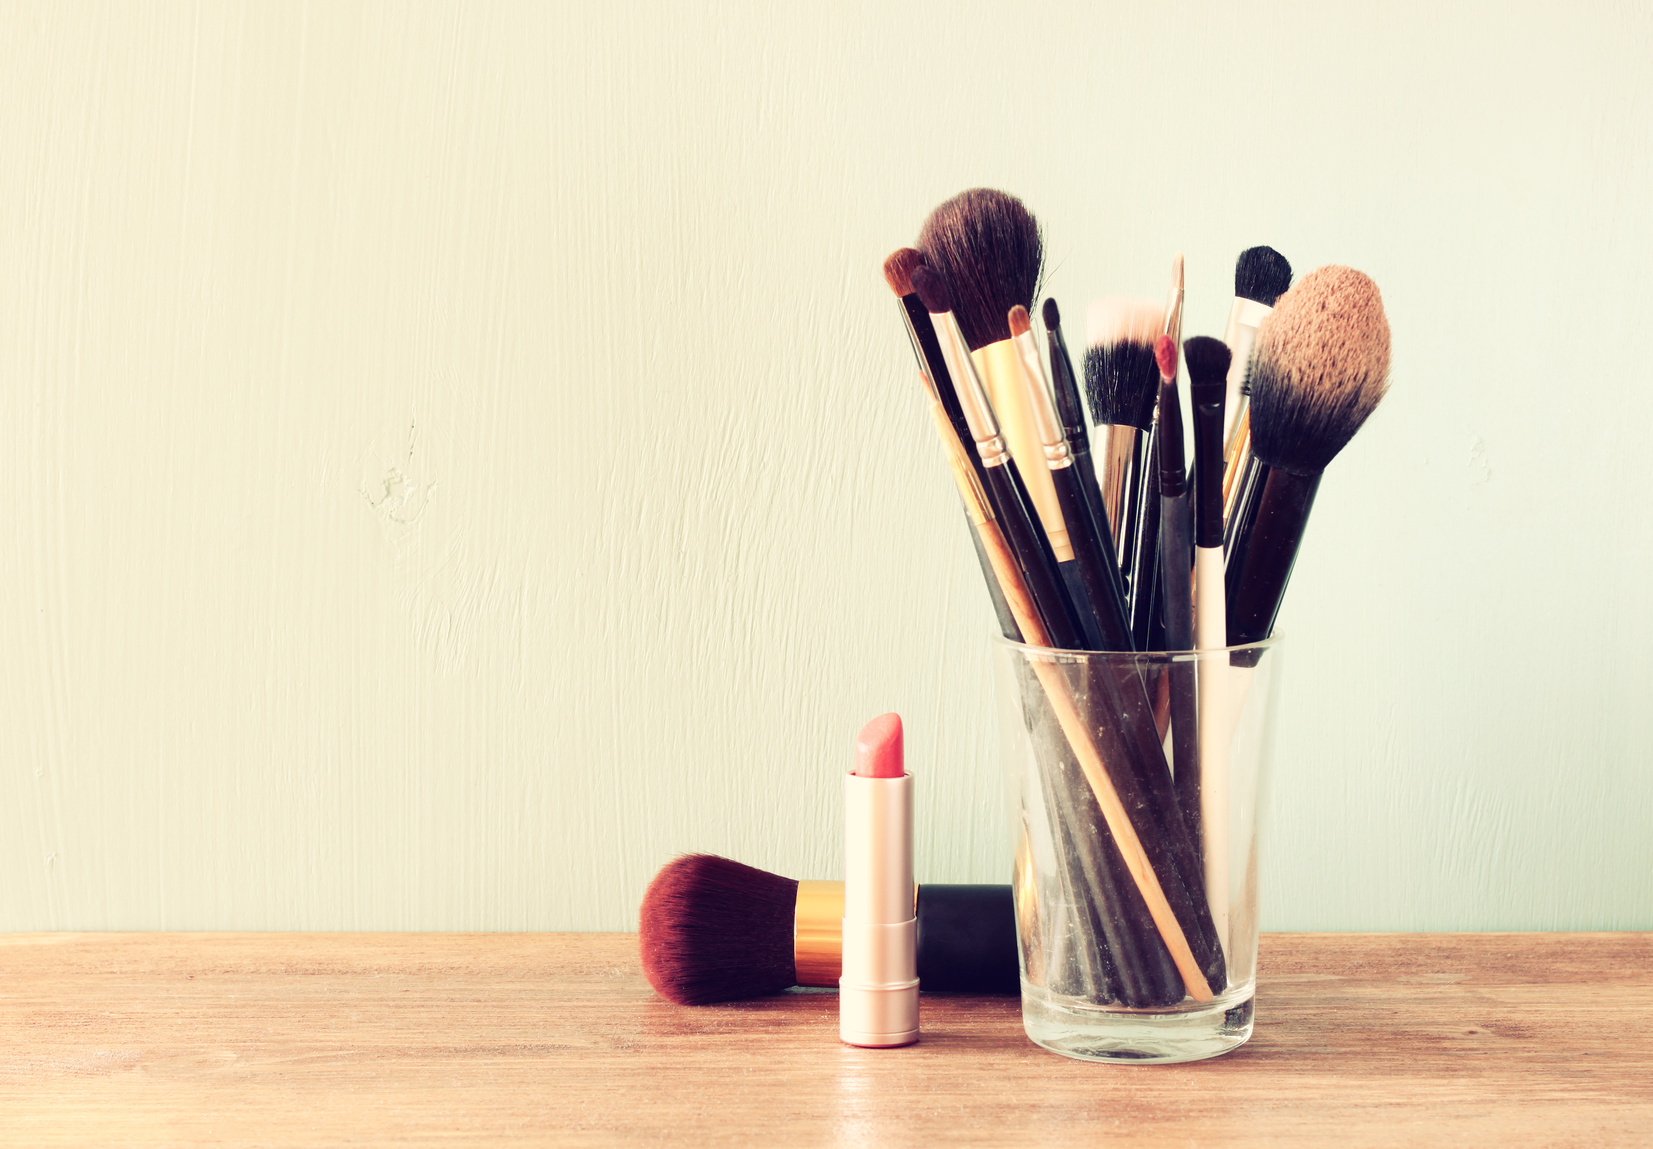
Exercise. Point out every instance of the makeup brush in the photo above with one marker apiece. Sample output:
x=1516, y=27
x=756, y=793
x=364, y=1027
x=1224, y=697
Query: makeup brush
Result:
x=1137, y=960
x=1090, y=591
x=1122, y=384
x=987, y=249
x=1208, y=361
x=1320, y=368
x=1261, y=276
x=712, y=930
x=951, y=427
x=1176, y=543
x=1005, y=483
x=1070, y=409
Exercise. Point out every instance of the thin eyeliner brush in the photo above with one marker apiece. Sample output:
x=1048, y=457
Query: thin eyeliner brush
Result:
x=1071, y=413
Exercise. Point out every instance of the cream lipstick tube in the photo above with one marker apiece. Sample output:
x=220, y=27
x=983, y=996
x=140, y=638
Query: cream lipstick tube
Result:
x=878, y=988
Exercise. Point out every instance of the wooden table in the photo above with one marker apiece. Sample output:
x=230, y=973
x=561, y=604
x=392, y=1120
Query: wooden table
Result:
x=506, y=1039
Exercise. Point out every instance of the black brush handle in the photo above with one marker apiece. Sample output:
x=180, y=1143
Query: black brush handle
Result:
x=1032, y=550
x=1145, y=592
x=967, y=939
x=1241, y=518
x=1282, y=514
x=1092, y=559
x=928, y=346
x=1001, y=607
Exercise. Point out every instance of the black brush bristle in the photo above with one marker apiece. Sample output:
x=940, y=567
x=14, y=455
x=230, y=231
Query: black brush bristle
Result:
x=714, y=930
x=1208, y=361
x=987, y=246
x=1052, y=316
x=1320, y=368
x=1261, y=273
x=1121, y=373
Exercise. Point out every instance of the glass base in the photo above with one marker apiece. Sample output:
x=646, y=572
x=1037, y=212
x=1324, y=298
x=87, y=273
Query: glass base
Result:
x=1189, y=1032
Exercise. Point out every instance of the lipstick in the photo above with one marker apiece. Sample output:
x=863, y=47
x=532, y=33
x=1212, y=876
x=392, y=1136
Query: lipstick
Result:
x=878, y=988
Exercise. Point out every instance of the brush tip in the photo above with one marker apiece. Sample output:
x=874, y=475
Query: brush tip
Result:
x=898, y=269
x=988, y=248
x=1053, y=316
x=1208, y=361
x=932, y=290
x=1116, y=320
x=1320, y=368
x=1165, y=354
x=711, y=929
x=1262, y=274
x=1020, y=323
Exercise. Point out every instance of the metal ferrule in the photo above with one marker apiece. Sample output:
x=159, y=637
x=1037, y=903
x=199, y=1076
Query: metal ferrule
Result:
x=1173, y=305
x=1043, y=408
x=972, y=396
x=817, y=933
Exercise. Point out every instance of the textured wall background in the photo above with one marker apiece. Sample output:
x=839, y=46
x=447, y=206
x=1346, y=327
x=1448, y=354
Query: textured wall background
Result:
x=456, y=457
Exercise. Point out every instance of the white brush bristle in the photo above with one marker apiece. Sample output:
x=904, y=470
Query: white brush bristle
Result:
x=1115, y=319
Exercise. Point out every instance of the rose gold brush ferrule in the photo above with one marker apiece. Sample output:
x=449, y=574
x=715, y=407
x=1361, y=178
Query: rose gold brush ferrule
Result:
x=978, y=412
x=1045, y=423
x=817, y=933
x=1244, y=318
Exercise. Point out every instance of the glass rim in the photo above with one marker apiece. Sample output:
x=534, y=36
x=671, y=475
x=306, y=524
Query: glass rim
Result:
x=1029, y=648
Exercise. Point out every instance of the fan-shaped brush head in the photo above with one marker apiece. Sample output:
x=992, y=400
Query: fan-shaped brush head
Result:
x=987, y=247
x=1261, y=273
x=1121, y=375
x=898, y=269
x=715, y=930
x=1320, y=368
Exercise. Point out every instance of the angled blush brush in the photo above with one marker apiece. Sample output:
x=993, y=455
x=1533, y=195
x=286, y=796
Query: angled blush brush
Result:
x=1321, y=367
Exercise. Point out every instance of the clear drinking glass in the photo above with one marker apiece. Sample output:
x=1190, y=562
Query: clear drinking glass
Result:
x=1135, y=781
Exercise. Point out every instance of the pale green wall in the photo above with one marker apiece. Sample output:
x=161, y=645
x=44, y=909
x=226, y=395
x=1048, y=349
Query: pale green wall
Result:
x=455, y=458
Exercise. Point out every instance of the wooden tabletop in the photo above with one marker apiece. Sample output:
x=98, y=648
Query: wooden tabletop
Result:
x=507, y=1039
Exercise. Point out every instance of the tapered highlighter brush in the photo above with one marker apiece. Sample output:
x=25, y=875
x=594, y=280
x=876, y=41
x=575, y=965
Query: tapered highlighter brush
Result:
x=949, y=420
x=1208, y=361
x=712, y=930
x=1320, y=368
x=1176, y=543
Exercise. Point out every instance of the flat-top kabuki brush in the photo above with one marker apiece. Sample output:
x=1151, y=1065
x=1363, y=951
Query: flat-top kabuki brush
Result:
x=1320, y=368
x=712, y=930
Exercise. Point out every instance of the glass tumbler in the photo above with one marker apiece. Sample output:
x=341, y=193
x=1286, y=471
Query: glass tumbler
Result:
x=1135, y=781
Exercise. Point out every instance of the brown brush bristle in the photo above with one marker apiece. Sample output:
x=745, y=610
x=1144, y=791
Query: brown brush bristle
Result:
x=714, y=930
x=1020, y=324
x=986, y=245
x=898, y=269
x=1320, y=368
x=1165, y=354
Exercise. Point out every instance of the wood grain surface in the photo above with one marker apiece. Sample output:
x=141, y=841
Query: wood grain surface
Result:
x=515, y=1039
